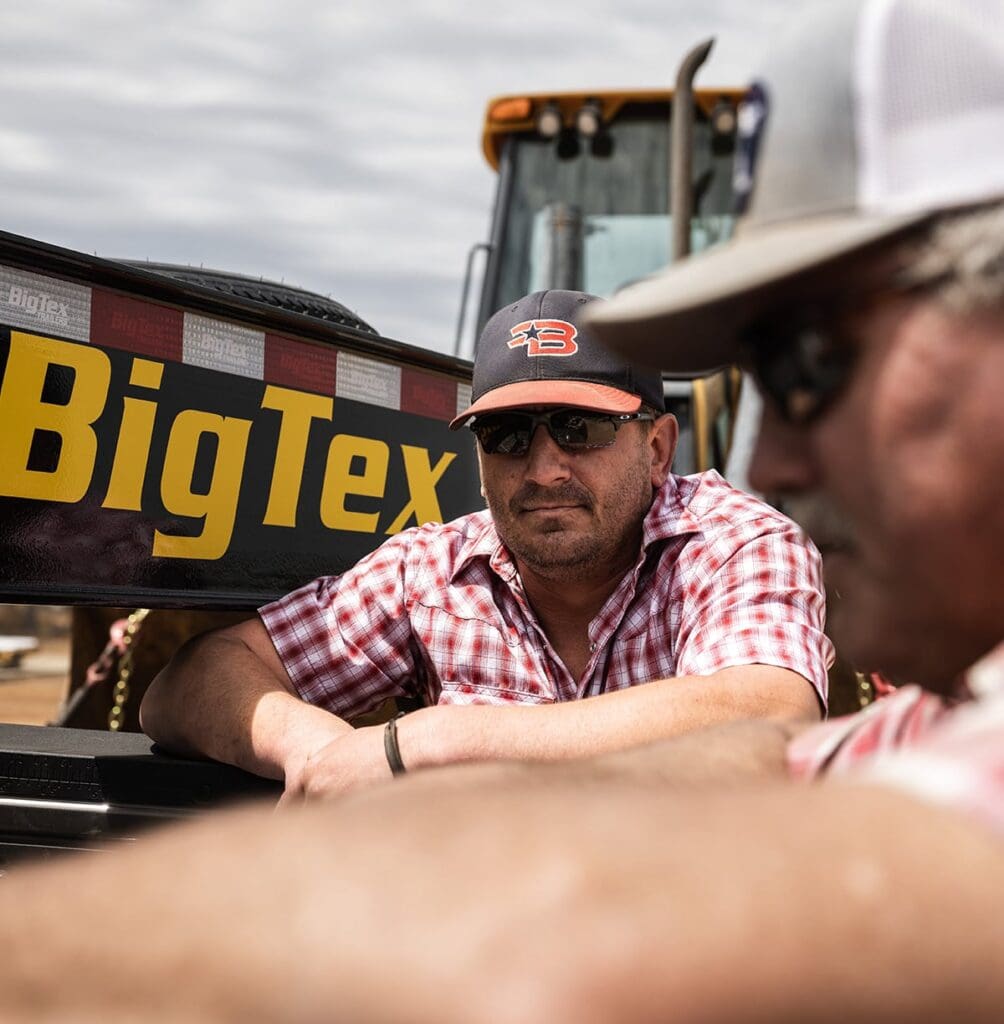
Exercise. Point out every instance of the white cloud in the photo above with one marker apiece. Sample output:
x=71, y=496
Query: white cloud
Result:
x=336, y=146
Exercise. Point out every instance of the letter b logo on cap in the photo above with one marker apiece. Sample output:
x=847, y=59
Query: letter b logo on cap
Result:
x=545, y=337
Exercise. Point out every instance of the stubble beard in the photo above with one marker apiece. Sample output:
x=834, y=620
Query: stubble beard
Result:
x=873, y=602
x=558, y=554
x=568, y=554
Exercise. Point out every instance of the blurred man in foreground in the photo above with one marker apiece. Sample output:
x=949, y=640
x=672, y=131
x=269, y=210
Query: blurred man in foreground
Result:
x=866, y=293
x=691, y=881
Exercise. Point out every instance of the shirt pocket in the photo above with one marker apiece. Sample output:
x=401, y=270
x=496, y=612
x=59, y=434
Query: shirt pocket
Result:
x=477, y=662
x=639, y=655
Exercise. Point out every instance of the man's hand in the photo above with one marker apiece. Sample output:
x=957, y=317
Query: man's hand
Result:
x=350, y=761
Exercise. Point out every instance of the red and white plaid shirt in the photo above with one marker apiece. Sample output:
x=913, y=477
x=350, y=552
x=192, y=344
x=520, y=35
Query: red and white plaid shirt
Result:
x=439, y=611
x=948, y=750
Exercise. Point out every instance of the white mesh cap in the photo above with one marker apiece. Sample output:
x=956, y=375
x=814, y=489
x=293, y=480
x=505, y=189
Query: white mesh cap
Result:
x=879, y=113
x=930, y=84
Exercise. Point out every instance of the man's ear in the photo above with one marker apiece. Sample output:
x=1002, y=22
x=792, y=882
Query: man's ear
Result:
x=662, y=439
x=481, y=469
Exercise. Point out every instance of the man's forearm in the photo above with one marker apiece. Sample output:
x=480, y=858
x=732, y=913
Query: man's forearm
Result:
x=217, y=698
x=763, y=905
x=619, y=903
x=606, y=724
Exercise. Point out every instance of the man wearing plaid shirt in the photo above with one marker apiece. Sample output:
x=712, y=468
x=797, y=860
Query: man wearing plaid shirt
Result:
x=593, y=570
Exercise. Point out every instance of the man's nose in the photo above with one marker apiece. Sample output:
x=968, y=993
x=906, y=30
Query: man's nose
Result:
x=546, y=462
x=782, y=462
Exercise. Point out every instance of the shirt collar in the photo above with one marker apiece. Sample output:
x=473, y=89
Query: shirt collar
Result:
x=670, y=515
x=483, y=543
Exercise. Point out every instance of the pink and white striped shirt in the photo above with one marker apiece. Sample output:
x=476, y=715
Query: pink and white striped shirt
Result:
x=948, y=750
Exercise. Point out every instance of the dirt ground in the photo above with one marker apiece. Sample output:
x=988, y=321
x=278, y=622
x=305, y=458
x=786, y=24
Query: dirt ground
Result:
x=31, y=692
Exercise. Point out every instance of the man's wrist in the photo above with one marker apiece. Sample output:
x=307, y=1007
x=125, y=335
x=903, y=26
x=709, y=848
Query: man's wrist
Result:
x=423, y=737
x=291, y=730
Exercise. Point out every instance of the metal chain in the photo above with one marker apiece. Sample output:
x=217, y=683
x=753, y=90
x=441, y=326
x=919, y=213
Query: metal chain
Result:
x=116, y=717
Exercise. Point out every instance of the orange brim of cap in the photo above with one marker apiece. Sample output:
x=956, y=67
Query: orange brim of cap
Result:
x=579, y=394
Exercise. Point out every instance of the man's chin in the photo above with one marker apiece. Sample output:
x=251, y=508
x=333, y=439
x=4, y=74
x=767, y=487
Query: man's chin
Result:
x=871, y=639
x=855, y=624
x=558, y=550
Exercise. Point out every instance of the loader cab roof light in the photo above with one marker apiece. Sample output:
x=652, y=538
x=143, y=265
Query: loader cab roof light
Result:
x=589, y=119
x=549, y=120
x=723, y=118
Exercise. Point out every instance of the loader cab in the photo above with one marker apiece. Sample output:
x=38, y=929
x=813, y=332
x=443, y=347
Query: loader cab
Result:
x=583, y=192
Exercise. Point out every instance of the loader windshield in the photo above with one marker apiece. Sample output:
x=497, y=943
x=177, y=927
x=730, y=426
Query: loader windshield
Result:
x=593, y=214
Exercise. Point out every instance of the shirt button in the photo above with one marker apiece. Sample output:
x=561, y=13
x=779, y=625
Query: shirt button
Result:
x=592, y=648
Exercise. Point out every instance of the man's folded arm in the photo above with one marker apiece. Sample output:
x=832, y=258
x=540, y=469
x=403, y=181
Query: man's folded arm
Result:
x=229, y=694
x=226, y=695
x=610, y=722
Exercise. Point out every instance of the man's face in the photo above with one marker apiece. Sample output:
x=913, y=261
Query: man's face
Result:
x=574, y=515
x=899, y=482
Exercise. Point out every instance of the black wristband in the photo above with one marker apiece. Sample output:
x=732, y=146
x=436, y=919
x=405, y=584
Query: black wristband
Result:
x=390, y=747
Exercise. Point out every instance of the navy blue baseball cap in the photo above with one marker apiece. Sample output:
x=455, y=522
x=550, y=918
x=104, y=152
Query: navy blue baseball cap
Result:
x=538, y=351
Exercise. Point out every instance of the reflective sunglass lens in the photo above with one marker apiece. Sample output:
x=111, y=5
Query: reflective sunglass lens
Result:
x=511, y=441
x=801, y=369
x=503, y=435
x=574, y=430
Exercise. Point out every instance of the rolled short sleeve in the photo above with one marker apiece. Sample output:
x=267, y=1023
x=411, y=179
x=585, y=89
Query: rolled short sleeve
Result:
x=345, y=641
x=764, y=604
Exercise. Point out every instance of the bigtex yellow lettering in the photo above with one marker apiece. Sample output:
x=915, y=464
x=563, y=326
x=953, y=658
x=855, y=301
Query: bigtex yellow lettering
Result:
x=218, y=506
x=125, y=489
x=422, y=480
x=340, y=481
x=299, y=410
x=23, y=414
x=53, y=394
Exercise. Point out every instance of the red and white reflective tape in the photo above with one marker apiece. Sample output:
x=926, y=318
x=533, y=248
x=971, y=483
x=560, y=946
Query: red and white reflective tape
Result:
x=37, y=303
x=48, y=305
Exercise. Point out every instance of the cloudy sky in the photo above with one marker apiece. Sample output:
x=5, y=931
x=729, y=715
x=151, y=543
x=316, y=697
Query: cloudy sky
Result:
x=333, y=145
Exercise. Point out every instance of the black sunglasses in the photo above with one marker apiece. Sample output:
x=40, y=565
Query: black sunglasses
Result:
x=803, y=358
x=802, y=362
x=573, y=430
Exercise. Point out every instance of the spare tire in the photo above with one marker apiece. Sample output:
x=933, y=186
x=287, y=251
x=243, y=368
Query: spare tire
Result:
x=296, y=300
